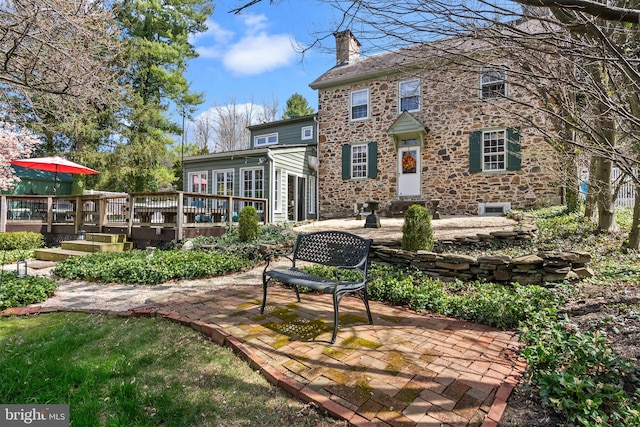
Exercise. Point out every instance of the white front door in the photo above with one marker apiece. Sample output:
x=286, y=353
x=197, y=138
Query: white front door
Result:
x=409, y=171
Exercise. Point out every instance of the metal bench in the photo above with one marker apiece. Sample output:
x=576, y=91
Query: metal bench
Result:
x=344, y=251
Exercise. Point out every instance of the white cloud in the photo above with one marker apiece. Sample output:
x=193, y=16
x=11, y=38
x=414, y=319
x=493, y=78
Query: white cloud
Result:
x=256, y=54
x=214, y=32
x=209, y=52
x=255, y=23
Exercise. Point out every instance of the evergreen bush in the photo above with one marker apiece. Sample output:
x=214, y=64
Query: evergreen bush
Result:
x=23, y=240
x=248, y=227
x=416, y=231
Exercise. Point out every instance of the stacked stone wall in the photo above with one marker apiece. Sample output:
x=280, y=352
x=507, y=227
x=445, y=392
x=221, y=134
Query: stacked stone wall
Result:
x=450, y=111
x=528, y=269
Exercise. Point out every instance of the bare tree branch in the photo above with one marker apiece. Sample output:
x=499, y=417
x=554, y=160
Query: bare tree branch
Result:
x=57, y=54
x=593, y=8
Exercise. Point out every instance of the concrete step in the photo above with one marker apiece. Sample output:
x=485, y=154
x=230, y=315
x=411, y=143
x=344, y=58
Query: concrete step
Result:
x=56, y=254
x=90, y=247
x=106, y=238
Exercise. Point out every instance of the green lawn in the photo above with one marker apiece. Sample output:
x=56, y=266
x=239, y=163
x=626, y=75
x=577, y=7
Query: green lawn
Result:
x=137, y=372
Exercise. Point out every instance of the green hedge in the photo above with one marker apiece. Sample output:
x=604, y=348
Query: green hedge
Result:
x=20, y=240
x=138, y=267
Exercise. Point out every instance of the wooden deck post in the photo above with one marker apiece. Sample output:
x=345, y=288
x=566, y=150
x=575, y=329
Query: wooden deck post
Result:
x=229, y=211
x=180, y=215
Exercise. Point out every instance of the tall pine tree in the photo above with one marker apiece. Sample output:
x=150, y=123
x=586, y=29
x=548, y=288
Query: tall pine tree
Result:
x=158, y=50
x=297, y=106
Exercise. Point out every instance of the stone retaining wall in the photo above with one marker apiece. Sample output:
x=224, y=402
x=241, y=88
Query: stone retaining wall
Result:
x=527, y=269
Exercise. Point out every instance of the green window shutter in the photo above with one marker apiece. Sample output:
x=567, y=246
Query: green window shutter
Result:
x=372, y=159
x=346, y=161
x=475, y=151
x=513, y=149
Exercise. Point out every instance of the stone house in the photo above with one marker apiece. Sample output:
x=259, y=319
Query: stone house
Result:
x=414, y=125
x=280, y=165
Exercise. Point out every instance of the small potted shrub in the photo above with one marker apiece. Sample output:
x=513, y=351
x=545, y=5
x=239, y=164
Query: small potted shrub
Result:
x=417, y=233
x=248, y=227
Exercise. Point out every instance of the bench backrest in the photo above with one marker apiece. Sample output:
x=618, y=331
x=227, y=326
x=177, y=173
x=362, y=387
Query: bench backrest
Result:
x=333, y=248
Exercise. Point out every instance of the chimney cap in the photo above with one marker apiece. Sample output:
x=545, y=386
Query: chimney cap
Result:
x=346, y=33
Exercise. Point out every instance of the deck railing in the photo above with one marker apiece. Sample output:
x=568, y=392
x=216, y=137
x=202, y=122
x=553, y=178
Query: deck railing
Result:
x=177, y=210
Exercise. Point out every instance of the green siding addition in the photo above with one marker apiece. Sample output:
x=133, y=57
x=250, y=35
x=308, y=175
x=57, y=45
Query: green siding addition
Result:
x=289, y=132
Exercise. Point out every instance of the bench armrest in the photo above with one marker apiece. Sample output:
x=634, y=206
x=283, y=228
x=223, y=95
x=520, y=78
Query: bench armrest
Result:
x=360, y=267
x=268, y=256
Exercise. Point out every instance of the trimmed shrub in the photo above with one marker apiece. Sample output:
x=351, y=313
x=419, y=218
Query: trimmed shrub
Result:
x=416, y=231
x=248, y=227
x=137, y=266
x=22, y=240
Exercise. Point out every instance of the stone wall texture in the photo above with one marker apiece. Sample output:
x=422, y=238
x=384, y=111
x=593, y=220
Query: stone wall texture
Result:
x=526, y=270
x=450, y=111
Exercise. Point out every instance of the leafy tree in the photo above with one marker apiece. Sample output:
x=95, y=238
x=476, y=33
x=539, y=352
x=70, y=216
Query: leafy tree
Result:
x=158, y=50
x=297, y=106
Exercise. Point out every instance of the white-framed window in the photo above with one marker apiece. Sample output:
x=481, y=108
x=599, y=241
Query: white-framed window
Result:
x=277, y=191
x=267, y=139
x=493, y=84
x=198, y=182
x=494, y=150
x=359, y=161
x=307, y=132
x=409, y=94
x=223, y=182
x=312, y=194
x=253, y=182
x=222, y=185
x=360, y=104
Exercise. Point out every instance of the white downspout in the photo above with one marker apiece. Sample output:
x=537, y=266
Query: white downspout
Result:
x=272, y=174
x=315, y=119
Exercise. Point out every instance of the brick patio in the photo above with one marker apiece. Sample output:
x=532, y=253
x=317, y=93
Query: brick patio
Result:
x=407, y=369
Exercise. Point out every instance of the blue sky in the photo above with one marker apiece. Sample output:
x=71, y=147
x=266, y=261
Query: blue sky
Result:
x=252, y=57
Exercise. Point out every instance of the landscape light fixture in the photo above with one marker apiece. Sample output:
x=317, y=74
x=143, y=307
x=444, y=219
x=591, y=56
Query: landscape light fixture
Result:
x=21, y=268
x=82, y=235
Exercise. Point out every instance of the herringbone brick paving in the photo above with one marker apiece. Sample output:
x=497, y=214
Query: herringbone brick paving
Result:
x=407, y=369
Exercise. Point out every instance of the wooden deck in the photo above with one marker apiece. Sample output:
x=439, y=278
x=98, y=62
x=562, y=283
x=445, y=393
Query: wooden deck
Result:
x=147, y=219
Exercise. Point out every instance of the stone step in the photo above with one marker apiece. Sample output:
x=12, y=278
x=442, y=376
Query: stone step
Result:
x=57, y=254
x=399, y=207
x=106, y=238
x=90, y=247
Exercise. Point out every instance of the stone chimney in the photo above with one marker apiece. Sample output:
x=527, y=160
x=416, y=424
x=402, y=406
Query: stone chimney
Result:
x=347, y=47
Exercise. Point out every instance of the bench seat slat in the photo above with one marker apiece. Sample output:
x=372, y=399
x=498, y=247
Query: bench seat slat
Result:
x=297, y=277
